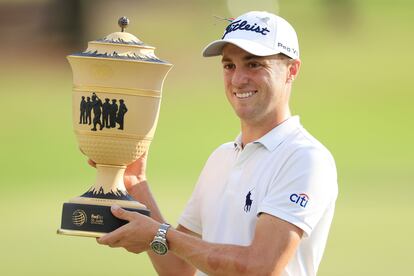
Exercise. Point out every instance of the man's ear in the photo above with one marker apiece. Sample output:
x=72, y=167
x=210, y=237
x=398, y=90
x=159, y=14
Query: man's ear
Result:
x=293, y=69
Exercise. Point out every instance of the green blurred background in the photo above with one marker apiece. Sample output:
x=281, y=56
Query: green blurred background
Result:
x=354, y=94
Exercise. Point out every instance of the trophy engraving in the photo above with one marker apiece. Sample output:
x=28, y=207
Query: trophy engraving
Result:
x=97, y=219
x=112, y=114
x=117, y=87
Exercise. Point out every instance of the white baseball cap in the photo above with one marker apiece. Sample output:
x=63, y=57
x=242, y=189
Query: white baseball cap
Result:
x=259, y=33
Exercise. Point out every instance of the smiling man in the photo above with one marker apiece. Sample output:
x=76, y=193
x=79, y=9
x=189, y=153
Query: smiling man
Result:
x=263, y=204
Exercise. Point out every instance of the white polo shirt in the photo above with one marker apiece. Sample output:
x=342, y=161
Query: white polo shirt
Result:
x=286, y=173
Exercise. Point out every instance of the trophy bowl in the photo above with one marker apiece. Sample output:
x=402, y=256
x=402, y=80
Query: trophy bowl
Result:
x=117, y=87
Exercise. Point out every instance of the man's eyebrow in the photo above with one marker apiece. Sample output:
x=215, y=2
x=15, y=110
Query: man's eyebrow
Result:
x=250, y=57
x=245, y=58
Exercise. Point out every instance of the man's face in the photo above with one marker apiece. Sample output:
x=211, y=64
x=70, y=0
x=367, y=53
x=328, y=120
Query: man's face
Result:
x=255, y=86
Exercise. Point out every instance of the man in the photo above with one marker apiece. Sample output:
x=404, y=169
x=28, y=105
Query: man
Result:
x=112, y=113
x=82, y=119
x=263, y=204
x=121, y=114
x=106, y=109
x=88, y=110
x=96, y=106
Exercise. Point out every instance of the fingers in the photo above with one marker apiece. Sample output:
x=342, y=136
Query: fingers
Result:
x=91, y=163
x=127, y=235
x=122, y=213
x=112, y=239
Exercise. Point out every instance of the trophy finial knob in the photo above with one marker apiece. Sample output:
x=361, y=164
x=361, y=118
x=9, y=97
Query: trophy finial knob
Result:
x=123, y=22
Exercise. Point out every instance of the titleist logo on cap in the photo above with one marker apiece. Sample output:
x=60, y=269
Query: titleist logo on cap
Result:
x=244, y=26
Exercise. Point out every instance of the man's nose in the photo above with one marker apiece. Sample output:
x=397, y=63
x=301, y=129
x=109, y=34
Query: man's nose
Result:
x=240, y=77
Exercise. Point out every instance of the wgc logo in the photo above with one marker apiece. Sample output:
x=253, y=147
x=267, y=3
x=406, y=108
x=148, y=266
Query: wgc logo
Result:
x=79, y=217
x=300, y=199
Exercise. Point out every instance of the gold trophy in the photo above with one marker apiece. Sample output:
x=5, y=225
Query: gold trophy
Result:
x=117, y=84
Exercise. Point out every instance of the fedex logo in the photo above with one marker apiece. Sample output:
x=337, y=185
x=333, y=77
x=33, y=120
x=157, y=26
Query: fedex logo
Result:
x=301, y=199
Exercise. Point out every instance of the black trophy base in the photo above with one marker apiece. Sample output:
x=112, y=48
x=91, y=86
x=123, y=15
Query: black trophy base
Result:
x=91, y=220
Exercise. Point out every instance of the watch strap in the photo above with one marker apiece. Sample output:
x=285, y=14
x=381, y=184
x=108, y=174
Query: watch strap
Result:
x=162, y=231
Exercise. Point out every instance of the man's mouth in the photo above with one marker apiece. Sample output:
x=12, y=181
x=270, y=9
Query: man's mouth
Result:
x=244, y=95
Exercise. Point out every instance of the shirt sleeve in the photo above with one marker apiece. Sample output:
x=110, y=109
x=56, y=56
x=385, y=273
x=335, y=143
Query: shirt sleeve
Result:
x=303, y=189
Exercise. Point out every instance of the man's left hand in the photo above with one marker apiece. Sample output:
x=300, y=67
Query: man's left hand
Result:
x=135, y=236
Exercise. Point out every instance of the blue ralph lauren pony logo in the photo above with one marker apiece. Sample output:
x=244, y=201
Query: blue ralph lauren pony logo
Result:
x=249, y=201
x=244, y=26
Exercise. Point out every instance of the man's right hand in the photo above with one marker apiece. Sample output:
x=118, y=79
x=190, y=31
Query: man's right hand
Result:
x=135, y=172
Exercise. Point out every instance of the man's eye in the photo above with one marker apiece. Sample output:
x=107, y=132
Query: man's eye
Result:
x=228, y=66
x=254, y=64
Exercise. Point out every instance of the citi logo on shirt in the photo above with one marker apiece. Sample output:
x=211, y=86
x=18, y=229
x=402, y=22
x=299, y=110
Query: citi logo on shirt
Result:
x=300, y=199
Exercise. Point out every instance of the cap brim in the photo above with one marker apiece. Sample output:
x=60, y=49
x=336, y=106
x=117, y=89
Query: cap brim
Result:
x=215, y=48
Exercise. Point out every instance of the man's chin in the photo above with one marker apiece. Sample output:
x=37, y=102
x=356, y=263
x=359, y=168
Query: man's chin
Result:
x=246, y=115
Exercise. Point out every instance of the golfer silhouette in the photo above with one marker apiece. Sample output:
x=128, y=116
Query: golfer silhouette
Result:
x=82, y=119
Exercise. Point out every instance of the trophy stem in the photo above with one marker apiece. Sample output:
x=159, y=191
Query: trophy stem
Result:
x=110, y=178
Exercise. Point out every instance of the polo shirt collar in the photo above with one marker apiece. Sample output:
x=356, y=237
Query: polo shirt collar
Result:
x=276, y=136
x=238, y=142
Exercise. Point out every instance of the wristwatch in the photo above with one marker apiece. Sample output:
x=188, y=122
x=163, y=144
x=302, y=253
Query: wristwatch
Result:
x=159, y=244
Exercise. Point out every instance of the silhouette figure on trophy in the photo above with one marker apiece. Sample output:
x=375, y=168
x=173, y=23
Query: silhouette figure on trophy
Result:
x=106, y=108
x=88, y=110
x=121, y=113
x=82, y=119
x=112, y=114
x=96, y=106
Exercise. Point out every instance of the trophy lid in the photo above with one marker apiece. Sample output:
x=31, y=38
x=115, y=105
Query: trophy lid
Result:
x=121, y=45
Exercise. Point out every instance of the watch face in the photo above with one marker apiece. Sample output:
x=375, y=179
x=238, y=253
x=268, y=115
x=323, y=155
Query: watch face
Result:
x=159, y=247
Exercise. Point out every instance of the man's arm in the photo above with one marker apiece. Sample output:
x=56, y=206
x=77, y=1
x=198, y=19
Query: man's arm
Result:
x=274, y=244
x=272, y=247
x=137, y=186
x=168, y=264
